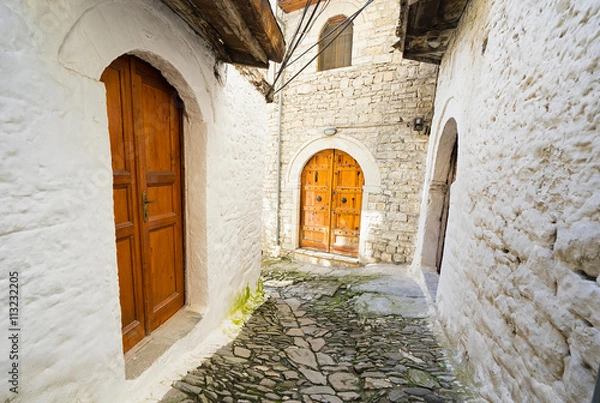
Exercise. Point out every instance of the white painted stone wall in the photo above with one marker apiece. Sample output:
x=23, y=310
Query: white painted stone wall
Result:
x=372, y=103
x=520, y=288
x=56, y=208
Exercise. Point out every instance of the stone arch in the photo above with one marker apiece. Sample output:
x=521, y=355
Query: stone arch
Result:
x=434, y=213
x=359, y=152
x=108, y=30
x=350, y=146
x=346, y=8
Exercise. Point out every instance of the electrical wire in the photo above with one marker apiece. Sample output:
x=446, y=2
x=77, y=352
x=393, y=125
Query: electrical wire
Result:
x=348, y=21
x=299, y=36
x=334, y=30
x=292, y=46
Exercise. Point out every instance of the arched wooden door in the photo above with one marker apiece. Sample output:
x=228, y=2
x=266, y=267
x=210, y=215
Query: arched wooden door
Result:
x=331, y=201
x=144, y=119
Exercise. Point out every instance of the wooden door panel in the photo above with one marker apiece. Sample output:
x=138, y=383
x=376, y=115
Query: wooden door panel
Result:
x=166, y=296
x=132, y=310
x=117, y=80
x=161, y=156
x=316, y=202
x=347, y=202
x=117, y=83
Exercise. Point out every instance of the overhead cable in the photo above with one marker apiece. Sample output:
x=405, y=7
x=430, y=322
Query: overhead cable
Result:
x=345, y=24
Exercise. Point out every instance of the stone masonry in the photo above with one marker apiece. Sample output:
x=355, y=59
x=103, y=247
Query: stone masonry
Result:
x=374, y=102
x=330, y=336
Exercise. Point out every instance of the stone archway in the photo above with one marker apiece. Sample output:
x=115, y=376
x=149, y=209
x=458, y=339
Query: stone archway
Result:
x=372, y=181
x=437, y=194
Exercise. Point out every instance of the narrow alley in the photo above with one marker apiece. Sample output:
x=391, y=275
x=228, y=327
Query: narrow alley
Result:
x=329, y=335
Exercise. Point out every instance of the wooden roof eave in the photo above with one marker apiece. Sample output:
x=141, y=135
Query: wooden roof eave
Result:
x=289, y=6
x=426, y=28
x=239, y=31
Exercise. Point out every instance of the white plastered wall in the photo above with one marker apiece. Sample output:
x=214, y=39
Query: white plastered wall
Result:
x=519, y=291
x=57, y=225
x=372, y=184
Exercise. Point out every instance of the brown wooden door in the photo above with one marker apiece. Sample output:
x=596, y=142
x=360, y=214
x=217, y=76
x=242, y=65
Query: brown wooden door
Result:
x=315, y=212
x=347, y=202
x=145, y=135
x=331, y=200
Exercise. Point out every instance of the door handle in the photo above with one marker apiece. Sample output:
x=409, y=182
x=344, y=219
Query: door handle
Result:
x=145, y=203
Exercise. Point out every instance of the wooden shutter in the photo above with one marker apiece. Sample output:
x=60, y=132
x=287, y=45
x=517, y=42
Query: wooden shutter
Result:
x=339, y=52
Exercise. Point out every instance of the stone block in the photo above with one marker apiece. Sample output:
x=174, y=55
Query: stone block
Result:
x=578, y=246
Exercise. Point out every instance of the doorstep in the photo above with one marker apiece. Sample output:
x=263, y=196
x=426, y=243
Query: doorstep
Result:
x=325, y=259
x=147, y=351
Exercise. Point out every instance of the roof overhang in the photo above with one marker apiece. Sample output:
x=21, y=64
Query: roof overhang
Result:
x=240, y=31
x=289, y=6
x=427, y=27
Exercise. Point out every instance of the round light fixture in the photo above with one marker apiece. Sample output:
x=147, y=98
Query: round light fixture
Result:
x=330, y=130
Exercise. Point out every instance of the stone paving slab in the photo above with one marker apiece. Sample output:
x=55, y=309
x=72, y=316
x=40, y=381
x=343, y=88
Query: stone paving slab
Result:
x=311, y=341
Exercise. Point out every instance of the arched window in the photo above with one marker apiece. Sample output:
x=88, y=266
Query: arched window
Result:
x=339, y=52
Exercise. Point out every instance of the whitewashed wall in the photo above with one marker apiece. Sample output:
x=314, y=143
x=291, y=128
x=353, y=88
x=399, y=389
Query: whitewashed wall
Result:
x=56, y=213
x=520, y=289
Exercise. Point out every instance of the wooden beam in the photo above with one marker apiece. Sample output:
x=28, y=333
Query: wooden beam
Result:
x=263, y=25
x=240, y=31
x=289, y=6
x=426, y=28
x=228, y=22
x=194, y=18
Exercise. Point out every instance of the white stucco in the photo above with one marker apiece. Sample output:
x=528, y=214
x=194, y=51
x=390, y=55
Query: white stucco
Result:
x=519, y=291
x=56, y=209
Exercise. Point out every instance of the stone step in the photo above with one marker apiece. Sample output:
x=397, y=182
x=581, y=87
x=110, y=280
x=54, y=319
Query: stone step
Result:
x=324, y=259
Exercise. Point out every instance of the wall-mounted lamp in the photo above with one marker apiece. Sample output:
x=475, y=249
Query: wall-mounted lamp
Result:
x=433, y=39
x=434, y=42
x=418, y=124
x=330, y=130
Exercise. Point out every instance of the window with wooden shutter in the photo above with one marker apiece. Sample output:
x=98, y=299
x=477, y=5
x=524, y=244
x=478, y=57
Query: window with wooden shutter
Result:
x=339, y=52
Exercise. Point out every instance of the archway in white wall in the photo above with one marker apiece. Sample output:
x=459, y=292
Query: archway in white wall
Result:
x=108, y=30
x=437, y=191
x=356, y=150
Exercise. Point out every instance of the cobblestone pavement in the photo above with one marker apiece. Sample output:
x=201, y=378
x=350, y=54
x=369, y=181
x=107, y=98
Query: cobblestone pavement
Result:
x=328, y=336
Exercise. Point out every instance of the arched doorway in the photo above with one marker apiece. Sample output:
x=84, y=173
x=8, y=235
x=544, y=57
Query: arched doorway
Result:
x=451, y=177
x=331, y=202
x=430, y=252
x=145, y=120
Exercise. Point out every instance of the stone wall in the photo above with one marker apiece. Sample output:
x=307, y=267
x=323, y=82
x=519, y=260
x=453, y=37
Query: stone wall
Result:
x=520, y=288
x=371, y=103
x=56, y=210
